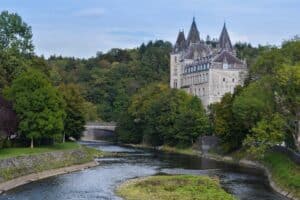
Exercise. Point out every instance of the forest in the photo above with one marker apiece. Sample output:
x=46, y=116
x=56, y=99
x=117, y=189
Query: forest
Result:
x=47, y=100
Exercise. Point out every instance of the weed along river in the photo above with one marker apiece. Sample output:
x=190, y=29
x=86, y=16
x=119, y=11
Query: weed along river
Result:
x=101, y=181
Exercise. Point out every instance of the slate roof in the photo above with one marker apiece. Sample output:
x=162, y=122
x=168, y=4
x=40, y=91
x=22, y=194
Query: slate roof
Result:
x=226, y=56
x=180, y=44
x=198, y=50
x=224, y=41
x=193, y=36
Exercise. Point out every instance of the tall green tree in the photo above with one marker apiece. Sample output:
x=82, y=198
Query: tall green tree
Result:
x=39, y=106
x=268, y=132
x=75, y=105
x=16, y=48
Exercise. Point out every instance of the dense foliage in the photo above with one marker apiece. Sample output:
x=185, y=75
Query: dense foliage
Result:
x=74, y=121
x=97, y=88
x=38, y=105
x=109, y=80
x=159, y=115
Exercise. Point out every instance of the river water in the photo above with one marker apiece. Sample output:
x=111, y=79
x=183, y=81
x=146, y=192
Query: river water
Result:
x=100, y=182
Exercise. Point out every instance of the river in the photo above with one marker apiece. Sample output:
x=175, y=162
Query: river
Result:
x=100, y=182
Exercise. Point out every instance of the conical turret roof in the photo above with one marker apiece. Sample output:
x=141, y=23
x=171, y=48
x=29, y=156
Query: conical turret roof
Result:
x=224, y=40
x=193, y=36
x=180, y=44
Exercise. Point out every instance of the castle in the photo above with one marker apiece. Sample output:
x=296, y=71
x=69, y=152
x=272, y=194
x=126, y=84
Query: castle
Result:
x=207, y=69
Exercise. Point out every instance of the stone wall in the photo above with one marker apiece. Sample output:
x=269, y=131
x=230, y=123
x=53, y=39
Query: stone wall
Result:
x=19, y=166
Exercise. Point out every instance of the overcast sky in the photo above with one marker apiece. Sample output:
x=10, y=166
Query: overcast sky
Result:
x=82, y=27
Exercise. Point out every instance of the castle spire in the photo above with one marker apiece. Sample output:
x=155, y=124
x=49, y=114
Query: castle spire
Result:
x=224, y=40
x=193, y=36
x=180, y=44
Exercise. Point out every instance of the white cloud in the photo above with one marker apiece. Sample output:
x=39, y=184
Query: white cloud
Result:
x=90, y=12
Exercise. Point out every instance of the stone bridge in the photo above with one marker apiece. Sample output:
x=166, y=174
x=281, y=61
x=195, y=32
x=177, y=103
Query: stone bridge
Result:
x=99, y=131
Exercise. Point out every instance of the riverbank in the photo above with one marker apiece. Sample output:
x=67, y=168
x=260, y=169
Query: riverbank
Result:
x=23, y=151
x=19, y=170
x=283, y=178
x=177, y=187
x=8, y=185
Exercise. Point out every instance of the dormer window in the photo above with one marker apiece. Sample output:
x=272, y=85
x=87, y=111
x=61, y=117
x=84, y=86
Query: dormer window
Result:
x=225, y=65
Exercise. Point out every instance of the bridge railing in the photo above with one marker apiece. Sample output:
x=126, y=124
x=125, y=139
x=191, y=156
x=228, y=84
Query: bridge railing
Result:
x=101, y=124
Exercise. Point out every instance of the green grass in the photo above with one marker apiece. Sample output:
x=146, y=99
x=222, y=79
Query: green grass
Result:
x=16, y=152
x=285, y=172
x=179, y=187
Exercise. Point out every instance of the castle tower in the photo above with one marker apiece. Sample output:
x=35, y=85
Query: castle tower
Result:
x=224, y=41
x=193, y=36
x=180, y=44
x=176, y=56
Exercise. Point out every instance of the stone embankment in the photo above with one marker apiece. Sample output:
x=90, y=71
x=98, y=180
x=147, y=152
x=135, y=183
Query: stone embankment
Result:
x=8, y=185
x=255, y=165
x=21, y=170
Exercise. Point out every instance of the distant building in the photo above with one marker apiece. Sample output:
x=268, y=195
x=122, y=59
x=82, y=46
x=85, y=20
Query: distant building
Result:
x=207, y=69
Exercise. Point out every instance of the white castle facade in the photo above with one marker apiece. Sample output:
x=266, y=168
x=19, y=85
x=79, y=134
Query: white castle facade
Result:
x=207, y=69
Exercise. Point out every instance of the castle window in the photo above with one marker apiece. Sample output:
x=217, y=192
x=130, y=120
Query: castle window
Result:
x=175, y=83
x=175, y=59
x=225, y=65
x=224, y=79
x=233, y=80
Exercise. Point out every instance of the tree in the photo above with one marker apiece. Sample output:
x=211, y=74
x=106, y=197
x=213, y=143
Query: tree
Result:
x=15, y=34
x=191, y=122
x=267, y=63
x=159, y=115
x=16, y=48
x=287, y=88
x=8, y=119
x=254, y=102
x=39, y=106
x=74, y=121
x=267, y=133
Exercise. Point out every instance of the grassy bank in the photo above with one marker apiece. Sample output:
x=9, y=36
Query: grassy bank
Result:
x=23, y=151
x=17, y=162
x=167, y=149
x=180, y=187
x=285, y=173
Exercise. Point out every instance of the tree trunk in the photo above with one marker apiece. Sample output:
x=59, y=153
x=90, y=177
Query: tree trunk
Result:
x=31, y=143
x=64, y=138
